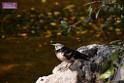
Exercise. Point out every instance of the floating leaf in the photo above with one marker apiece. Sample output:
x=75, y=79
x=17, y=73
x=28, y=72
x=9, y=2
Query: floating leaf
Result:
x=69, y=6
x=56, y=13
x=32, y=8
x=43, y=1
x=53, y=24
x=82, y=18
x=84, y=32
x=3, y=36
x=33, y=31
x=59, y=33
x=56, y=3
x=18, y=15
x=49, y=13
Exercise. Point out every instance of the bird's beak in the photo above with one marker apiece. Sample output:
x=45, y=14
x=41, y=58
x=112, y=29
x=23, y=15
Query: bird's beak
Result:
x=53, y=44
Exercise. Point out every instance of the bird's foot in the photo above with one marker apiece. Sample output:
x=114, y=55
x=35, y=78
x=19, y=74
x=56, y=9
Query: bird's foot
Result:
x=65, y=67
x=62, y=69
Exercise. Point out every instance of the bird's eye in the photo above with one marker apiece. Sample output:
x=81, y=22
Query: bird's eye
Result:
x=57, y=46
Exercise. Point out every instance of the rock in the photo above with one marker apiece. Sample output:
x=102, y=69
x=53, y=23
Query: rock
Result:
x=60, y=75
x=120, y=73
x=88, y=71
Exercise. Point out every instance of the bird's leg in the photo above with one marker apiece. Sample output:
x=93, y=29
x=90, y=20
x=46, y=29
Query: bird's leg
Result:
x=68, y=65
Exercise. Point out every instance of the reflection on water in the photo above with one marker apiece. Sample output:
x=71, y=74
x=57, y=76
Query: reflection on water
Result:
x=24, y=60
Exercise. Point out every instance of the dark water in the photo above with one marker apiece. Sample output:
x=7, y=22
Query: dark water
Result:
x=23, y=60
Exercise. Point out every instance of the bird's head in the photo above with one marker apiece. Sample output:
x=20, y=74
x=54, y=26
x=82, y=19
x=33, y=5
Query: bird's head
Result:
x=57, y=46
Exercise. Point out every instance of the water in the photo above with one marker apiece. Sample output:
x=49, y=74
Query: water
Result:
x=23, y=60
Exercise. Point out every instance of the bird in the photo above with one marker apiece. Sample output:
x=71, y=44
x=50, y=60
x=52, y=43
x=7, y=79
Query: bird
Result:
x=68, y=55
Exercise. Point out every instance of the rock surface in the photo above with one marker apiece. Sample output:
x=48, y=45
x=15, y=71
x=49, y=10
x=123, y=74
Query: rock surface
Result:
x=88, y=71
x=120, y=73
x=60, y=75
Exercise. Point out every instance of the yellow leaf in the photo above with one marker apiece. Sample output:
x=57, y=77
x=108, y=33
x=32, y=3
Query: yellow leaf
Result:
x=43, y=1
x=56, y=13
x=59, y=33
x=82, y=18
x=53, y=24
x=48, y=34
x=56, y=3
x=69, y=6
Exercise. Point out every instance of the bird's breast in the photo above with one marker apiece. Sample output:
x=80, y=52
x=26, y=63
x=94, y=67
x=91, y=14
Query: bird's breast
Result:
x=61, y=56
